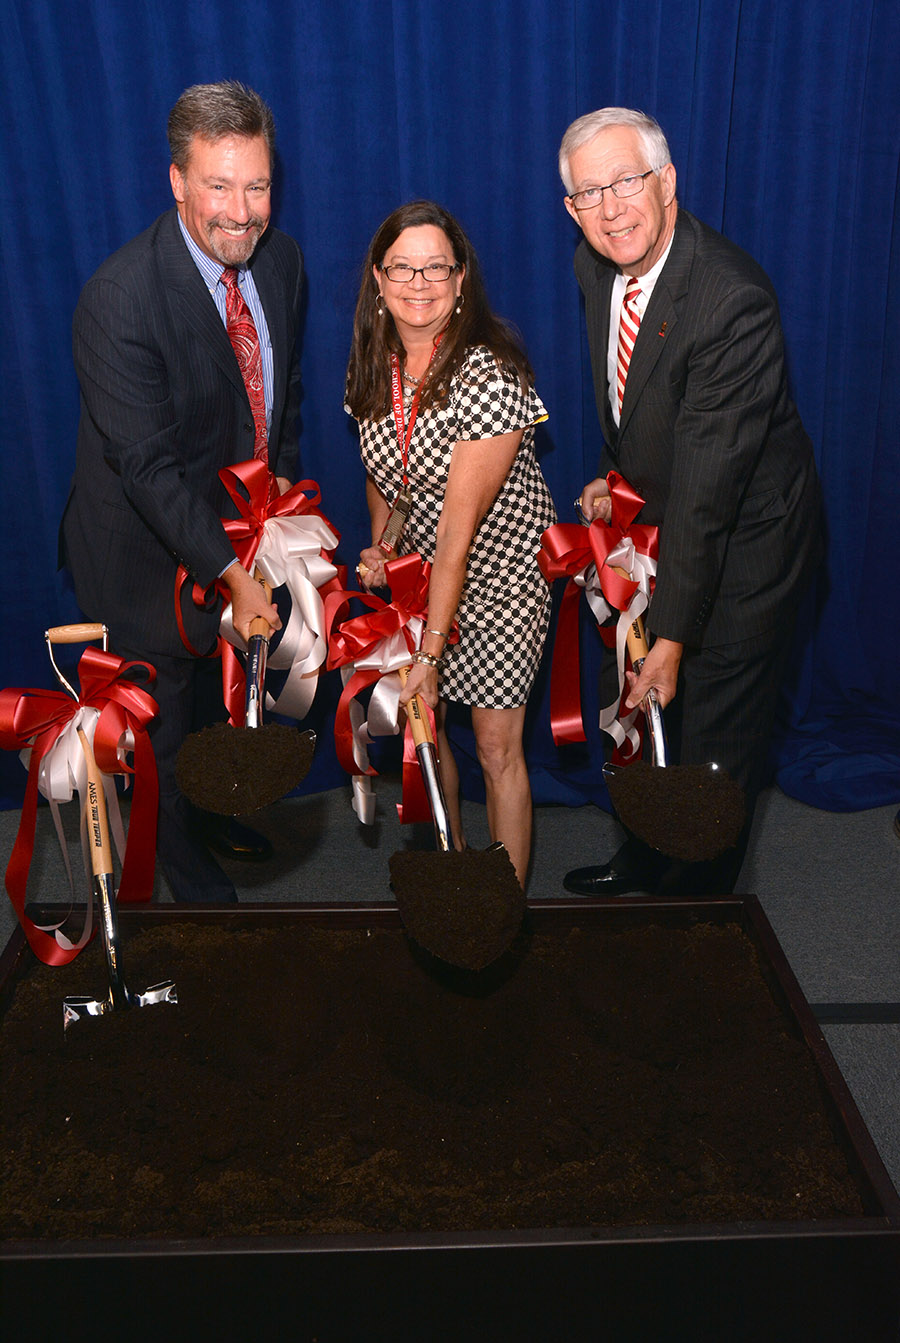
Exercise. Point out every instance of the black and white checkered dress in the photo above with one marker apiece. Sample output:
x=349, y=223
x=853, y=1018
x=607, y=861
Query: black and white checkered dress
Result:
x=505, y=604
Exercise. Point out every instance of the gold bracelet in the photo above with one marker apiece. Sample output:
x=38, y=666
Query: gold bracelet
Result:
x=426, y=659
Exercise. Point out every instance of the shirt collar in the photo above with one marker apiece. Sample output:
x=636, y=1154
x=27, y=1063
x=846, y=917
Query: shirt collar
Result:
x=210, y=270
x=647, y=282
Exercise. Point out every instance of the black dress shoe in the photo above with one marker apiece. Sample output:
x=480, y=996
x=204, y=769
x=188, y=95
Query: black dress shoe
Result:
x=897, y=825
x=606, y=880
x=229, y=838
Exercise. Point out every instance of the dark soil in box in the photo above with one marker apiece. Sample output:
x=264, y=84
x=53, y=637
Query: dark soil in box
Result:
x=316, y=1080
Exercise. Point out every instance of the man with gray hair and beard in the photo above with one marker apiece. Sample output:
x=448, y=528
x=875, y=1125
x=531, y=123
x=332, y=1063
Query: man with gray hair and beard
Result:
x=184, y=345
x=687, y=354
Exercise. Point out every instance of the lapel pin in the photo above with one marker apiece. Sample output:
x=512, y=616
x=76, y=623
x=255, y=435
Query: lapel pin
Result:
x=662, y=329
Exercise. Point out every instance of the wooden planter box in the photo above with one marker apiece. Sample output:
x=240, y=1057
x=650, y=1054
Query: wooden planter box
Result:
x=632, y=1127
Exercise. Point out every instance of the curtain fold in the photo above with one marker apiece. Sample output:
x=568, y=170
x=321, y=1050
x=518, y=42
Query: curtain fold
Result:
x=783, y=123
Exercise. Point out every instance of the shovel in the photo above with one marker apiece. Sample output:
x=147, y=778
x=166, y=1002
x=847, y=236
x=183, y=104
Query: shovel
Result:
x=463, y=908
x=233, y=771
x=690, y=812
x=120, y=998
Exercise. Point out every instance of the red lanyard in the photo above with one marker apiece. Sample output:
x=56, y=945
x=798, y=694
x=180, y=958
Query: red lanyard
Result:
x=404, y=437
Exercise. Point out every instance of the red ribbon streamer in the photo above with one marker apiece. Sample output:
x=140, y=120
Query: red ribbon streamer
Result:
x=567, y=549
x=35, y=719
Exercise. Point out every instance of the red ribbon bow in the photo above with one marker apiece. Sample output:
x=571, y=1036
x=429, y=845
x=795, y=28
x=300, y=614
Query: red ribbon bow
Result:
x=254, y=493
x=36, y=719
x=567, y=551
x=249, y=486
x=355, y=639
x=360, y=639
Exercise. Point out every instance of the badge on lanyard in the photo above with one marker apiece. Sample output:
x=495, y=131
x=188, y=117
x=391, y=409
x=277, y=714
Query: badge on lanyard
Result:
x=393, y=529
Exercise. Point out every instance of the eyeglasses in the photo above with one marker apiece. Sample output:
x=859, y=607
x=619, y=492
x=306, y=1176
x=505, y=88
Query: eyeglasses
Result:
x=626, y=186
x=403, y=274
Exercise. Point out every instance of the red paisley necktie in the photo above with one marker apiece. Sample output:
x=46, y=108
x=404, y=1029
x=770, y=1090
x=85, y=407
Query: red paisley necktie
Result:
x=629, y=325
x=245, y=342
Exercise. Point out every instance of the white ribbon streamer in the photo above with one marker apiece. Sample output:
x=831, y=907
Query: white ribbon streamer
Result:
x=641, y=568
x=384, y=708
x=290, y=555
x=63, y=774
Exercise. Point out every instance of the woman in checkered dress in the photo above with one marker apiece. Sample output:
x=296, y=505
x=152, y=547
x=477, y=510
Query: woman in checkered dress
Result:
x=445, y=400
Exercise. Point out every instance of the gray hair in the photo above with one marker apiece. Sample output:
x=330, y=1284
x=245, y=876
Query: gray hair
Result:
x=213, y=111
x=585, y=128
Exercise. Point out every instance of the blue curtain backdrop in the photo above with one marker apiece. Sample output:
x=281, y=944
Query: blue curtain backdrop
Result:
x=783, y=121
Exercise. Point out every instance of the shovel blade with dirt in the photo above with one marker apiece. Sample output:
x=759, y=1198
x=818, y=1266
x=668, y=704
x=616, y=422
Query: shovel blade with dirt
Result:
x=233, y=771
x=464, y=908
x=689, y=812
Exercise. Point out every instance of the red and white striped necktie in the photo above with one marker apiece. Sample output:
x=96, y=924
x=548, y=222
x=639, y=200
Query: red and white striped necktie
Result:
x=629, y=325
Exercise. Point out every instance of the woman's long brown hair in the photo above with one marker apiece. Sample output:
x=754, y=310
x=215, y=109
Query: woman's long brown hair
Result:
x=375, y=338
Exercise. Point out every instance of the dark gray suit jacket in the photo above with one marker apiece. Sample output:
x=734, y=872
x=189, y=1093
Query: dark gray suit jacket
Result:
x=163, y=407
x=710, y=438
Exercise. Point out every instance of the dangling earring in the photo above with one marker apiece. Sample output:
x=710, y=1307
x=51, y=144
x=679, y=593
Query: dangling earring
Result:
x=380, y=309
x=460, y=300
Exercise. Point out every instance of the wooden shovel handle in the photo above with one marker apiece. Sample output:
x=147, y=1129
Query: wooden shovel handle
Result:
x=260, y=625
x=426, y=751
x=95, y=807
x=74, y=634
x=417, y=715
x=638, y=648
x=635, y=636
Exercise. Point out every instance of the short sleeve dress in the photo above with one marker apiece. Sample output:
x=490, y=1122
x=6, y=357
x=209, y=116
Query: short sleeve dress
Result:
x=504, y=609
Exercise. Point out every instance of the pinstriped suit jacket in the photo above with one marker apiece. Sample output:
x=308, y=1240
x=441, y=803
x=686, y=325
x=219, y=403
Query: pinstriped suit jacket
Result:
x=163, y=407
x=710, y=438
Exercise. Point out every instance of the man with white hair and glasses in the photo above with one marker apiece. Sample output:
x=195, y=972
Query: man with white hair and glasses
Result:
x=687, y=354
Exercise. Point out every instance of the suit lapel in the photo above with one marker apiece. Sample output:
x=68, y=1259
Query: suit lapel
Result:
x=660, y=318
x=604, y=294
x=196, y=307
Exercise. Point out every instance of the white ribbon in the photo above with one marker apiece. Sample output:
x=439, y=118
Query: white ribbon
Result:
x=62, y=774
x=290, y=555
x=641, y=568
x=384, y=708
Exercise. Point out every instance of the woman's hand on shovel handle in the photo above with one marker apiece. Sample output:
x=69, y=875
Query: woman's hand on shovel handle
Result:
x=248, y=601
x=370, y=570
x=659, y=673
x=421, y=680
